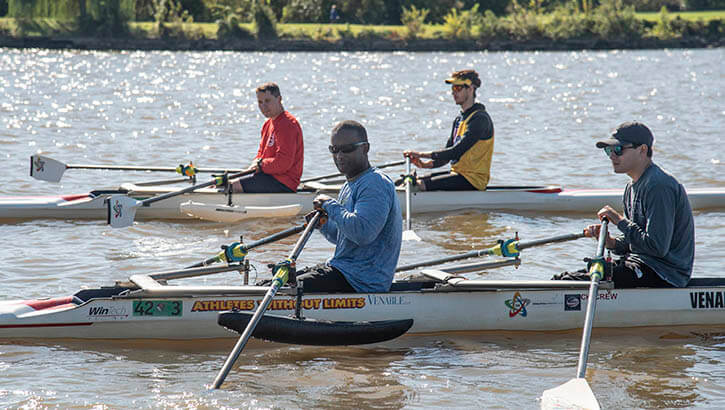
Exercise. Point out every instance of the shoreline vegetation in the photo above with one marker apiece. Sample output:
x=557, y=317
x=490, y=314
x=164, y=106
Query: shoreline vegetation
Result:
x=567, y=26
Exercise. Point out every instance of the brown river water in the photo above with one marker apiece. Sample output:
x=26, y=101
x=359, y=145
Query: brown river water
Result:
x=164, y=108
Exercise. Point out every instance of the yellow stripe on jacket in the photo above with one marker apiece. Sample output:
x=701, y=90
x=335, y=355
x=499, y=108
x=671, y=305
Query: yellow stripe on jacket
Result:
x=475, y=164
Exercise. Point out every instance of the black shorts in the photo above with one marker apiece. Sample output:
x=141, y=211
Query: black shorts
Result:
x=447, y=182
x=625, y=273
x=324, y=278
x=262, y=183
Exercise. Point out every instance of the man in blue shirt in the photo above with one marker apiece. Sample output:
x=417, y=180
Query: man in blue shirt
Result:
x=364, y=222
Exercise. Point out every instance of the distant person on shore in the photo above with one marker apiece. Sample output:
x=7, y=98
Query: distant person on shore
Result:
x=469, y=148
x=658, y=241
x=364, y=222
x=334, y=17
x=280, y=157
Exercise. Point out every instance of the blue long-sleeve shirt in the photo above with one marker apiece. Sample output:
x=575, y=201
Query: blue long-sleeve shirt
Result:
x=366, y=224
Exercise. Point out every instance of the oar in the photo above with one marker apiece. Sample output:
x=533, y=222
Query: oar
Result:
x=339, y=174
x=576, y=393
x=408, y=234
x=509, y=248
x=122, y=209
x=49, y=169
x=237, y=251
x=279, y=279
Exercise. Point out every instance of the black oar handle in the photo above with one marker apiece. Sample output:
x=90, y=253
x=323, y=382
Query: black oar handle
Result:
x=192, y=188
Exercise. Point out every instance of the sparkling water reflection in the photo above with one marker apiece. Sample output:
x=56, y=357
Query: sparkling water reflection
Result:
x=166, y=108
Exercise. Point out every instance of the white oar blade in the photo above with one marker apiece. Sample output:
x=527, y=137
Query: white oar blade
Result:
x=410, y=235
x=574, y=394
x=121, y=210
x=46, y=169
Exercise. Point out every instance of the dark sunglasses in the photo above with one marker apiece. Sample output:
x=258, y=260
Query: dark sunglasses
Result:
x=618, y=150
x=345, y=149
x=458, y=88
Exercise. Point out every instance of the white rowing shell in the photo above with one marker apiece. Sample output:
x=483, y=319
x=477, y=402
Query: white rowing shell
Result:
x=231, y=214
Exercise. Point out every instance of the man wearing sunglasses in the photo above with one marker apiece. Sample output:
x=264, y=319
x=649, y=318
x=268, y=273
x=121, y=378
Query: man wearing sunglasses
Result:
x=470, y=146
x=658, y=232
x=364, y=222
x=280, y=157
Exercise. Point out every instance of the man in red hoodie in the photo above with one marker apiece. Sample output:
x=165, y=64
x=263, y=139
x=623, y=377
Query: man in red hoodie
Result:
x=280, y=158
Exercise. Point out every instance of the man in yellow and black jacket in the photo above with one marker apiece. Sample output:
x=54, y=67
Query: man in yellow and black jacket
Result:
x=469, y=148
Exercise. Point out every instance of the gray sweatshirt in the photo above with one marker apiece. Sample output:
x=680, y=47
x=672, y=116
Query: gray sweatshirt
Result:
x=658, y=227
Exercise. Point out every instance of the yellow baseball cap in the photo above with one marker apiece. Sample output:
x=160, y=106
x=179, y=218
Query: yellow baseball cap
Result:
x=458, y=81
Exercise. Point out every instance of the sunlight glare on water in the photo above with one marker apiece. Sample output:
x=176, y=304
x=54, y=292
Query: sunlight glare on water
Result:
x=164, y=108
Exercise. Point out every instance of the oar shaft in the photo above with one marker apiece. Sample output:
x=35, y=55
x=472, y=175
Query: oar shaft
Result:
x=339, y=174
x=561, y=238
x=277, y=236
x=274, y=237
x=142, y=168
x=276, y=284
x=244, y=338
x=581, y=369
x=191, y=188
x=491, y=251
x=439, y=261
x=305, y=236
x=407, y=193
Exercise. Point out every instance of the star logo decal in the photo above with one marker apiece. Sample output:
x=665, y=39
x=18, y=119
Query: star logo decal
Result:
x=39, y=165
x=117, y=210
x=517, y=305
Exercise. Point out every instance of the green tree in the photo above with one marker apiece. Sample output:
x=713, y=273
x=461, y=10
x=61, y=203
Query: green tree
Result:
x=265, y=22
x=304, y=11
x=413, y=19
x=460, y=24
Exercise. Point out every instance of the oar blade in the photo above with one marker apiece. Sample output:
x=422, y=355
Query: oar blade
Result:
x=574, y=394
x=46, y=169
x=410, y=235
x=121, y=210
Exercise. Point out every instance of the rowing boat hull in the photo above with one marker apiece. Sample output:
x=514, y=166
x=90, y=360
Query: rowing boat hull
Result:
x=173, y=313
x=539, y=199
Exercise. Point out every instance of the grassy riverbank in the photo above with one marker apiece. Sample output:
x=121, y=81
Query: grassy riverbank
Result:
x=525, y=30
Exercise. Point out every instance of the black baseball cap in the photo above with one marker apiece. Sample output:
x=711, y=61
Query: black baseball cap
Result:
x=632, y=132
